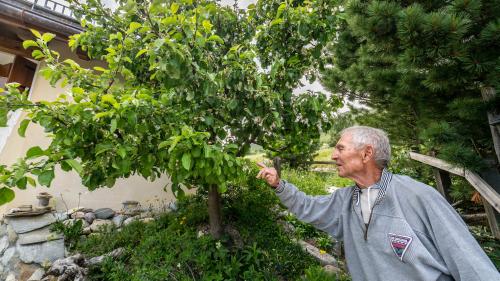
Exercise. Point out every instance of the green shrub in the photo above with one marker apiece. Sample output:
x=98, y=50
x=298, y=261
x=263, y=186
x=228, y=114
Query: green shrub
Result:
x=169, y=248
x=71, y=231
x=316, y=273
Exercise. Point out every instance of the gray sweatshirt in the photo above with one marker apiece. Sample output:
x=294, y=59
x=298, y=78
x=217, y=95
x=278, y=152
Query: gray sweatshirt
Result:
x=412, y=234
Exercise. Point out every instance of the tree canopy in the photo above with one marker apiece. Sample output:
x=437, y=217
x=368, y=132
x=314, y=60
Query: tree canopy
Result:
x=188, y=86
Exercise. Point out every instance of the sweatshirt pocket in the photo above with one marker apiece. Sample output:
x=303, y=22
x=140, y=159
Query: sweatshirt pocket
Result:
x=397, y=239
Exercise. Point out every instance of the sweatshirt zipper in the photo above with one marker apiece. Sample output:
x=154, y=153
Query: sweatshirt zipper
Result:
x=368, y=224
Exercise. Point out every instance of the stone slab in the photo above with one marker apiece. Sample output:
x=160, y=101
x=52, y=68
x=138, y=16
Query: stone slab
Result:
x=37, y=275
x=38, y=236
x=27, y=224
x=4, y=244
x=41, y=252
x=7, y=255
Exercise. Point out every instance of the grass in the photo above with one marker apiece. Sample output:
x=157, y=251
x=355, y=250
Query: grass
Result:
x=311, y=182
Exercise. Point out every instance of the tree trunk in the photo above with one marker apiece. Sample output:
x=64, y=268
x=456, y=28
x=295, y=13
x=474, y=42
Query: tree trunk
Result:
x=214, y=212
x=488, y=94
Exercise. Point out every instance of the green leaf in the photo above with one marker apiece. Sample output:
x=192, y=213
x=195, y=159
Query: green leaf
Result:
x=6, y=195
x=22, y=127
x=98, y=68
x=207, y=25
x=65, y=166
x=113, y=125
x=35, y=151
x=36, y=33
x=122, y=152
x=37, y=54
x=186, y=161
x=31, y=181
x=281, y=8
x=46, y=177
x=276, y=21
x=102, y=147
x=47, y=37
x=215, y=38
x=3, y=117
x=29, y=43
x=163, y=144
x=133, y=27
x=75, y=165
x=21, y=183
x=141, y=52
x=174, y=8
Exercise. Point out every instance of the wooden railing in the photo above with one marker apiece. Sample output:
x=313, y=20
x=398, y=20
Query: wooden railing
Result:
x=442, y=169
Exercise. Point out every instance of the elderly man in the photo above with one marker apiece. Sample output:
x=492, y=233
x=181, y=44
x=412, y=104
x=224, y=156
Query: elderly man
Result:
x=394, y=228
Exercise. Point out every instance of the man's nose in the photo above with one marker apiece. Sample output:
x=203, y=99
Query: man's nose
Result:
x=335, y=155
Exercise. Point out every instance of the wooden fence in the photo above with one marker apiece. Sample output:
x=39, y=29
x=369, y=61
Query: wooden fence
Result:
x=442, y=170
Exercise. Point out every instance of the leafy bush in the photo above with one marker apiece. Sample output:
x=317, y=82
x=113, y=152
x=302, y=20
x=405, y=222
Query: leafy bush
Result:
x=72, y=231
x=490, y=245
x=170, y=247
x=316, y=273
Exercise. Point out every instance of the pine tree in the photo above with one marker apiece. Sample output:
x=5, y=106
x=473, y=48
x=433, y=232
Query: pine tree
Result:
x=420, y=66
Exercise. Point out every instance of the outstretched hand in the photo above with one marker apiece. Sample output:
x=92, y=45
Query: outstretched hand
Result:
x=270, y=175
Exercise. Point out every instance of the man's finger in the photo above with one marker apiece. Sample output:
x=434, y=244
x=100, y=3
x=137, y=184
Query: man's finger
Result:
x=262, y=173
x=260, y=164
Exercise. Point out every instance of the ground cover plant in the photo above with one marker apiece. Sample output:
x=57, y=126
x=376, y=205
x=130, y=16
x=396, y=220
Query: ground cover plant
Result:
x=172, y=247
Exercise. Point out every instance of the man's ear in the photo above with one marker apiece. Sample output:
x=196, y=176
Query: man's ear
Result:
x=368, y=153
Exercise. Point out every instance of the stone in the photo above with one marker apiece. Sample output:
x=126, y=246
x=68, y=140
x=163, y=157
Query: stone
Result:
x=4, y=244
x=27, y=224
x=98, y=225
x=61, y=216
x=147, y=220
x=87, y=210
x=38, y=236
x=86, y=230
x=104, y=213
x=37, y=275
x=323, y=258
x=118, y=220
x=3, y=229
x=129, y=220
x=11, y=233
x=172, y=206
x=331, y=269
x=11, y=277
x=71, y=211
x=7, y=255
x=77, y=215
x=72, y=221
x=42, y=252
x=89, y=217
x=25, y=271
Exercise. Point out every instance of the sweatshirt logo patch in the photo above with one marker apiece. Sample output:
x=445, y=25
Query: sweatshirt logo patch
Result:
x=399, y=244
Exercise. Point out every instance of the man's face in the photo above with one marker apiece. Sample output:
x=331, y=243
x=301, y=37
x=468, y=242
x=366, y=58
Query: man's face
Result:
x=349, y=159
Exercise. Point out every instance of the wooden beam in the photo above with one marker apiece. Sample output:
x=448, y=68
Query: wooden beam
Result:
x=492, y=220
x=438, y=163
x=443, y=183
x=13, y=46
x=486, y=191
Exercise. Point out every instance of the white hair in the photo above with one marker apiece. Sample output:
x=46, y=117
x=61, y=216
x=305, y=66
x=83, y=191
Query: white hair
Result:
x=364, y=135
